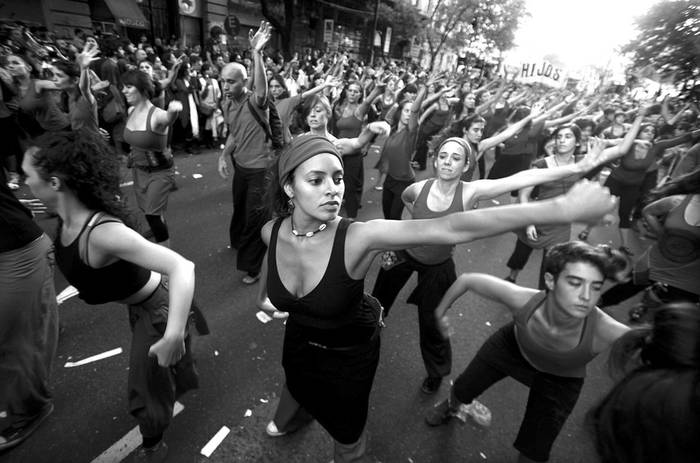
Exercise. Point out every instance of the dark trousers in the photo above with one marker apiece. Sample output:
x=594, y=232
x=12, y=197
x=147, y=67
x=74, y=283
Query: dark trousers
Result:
x=153, y=389
x=551, y=398
x=28, y=329
x=433, y=282
x=520, y=256
x=248, y=218
x=392, y=206
x=354, y=177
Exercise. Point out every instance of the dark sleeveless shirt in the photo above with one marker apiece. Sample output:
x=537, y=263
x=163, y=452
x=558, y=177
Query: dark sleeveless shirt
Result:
x=434, y=254
x=112, y=282
x=570, y=363
x=331, y=313
x=680, y=241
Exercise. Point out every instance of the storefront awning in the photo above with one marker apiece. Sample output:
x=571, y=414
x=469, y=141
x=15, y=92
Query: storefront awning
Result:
x=127, y=13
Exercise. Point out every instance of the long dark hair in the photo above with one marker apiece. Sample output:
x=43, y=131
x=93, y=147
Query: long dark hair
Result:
x=653, y=413
x=86, y=166
x=455, y=129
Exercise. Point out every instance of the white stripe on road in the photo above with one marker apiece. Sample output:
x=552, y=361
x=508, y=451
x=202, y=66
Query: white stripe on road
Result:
x=215, y=441
x=127, y=444
x=129, y=183
x=94, y=358
x=66, y=294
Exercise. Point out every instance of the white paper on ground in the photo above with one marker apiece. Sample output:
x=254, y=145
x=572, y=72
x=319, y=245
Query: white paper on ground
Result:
x=94, y=358
x=215, y=441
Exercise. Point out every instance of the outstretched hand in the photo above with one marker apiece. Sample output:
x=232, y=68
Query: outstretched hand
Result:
x=87, y=56
x=261, y=36
x=594, y=155
x=586, y=202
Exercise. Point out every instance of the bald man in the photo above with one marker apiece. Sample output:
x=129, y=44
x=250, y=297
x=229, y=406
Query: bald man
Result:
x=250, y=155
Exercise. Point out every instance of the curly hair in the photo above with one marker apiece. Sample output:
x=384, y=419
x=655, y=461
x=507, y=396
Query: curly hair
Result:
x=278, y=78
x=86, y=166
x=575, y=251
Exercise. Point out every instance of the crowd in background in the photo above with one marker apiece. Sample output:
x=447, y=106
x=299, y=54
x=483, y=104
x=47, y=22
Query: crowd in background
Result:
x=504, y=134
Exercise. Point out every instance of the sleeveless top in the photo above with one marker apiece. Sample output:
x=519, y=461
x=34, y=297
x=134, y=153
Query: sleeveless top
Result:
x=348, y=127
x=398, y=150
x=112, y=282
x=333, y=303
x=434, y=254
x=554, y=188
x=681, y=240
x=146, y=141
x=571, y=363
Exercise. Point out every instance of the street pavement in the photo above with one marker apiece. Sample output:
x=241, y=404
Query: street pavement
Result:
x=239, y=363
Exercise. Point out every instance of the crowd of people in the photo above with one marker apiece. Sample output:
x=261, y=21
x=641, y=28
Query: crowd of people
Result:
x=293, y=135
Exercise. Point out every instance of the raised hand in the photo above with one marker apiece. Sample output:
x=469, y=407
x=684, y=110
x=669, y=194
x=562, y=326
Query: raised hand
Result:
x=594, y=155
x=586, y=202
x=261, y=36
x=87, y=56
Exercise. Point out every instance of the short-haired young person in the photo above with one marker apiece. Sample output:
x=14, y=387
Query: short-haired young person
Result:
x=555, y=333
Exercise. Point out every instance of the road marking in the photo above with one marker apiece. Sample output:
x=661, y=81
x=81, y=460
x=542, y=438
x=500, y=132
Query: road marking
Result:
x=215, y=441
x=66, y=294
x=94, y=358
x=127, y=444
x=129, y=183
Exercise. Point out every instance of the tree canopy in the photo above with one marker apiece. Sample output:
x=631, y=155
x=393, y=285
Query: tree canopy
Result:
x=456, y=23
x=669, y=42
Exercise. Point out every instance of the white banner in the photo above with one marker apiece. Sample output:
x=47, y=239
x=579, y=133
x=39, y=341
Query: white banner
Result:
x=543, y=72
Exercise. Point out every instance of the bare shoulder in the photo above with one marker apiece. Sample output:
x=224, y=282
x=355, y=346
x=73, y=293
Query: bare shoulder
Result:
x=608, y=331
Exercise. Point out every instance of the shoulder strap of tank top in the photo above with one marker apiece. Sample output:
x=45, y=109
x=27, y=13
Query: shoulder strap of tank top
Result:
x=458, y=200
x=149, y=128
x=93, y=223
x=273, y=242
x=424, y=192
x=338, y=250
x=523, y=314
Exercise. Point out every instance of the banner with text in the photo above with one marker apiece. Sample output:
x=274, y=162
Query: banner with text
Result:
x=541, y=71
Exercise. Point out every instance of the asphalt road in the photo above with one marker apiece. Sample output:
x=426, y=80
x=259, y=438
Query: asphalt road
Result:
x=239, y=363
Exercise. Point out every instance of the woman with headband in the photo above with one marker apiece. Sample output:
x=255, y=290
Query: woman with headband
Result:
x=437, y=197
x=315, y=270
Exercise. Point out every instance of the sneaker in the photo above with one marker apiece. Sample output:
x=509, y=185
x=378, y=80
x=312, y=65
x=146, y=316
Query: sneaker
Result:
x=250, y=279
x=13, y=436
x=477, y=412
x=156, y=454
x=272, y=431
x=439, y=414
x=431, y=385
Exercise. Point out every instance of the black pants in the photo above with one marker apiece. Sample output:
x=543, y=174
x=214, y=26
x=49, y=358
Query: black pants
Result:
x=520, y=256
x=354, y=177
x=620, y=293
x=551, y=398
x=392, y=206
x=433, y=282
x=248, y=218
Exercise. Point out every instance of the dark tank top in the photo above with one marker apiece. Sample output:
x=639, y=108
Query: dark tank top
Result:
x=113, y=282
x=680, y=242
x=334, y=303
x=434, y=254
x=571, y=363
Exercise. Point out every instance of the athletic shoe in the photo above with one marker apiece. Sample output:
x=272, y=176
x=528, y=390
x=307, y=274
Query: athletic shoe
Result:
x=431, y=385
x=439, y=414
x=13, y=436
x=272, y=431
x=250, y=279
